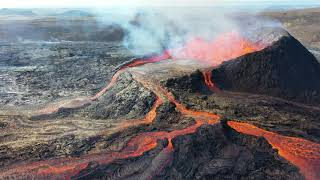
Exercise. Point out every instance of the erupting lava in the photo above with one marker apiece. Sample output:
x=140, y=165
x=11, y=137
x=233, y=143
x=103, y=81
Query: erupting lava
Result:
x=212, y=53
x=225, y=47
x=302, y=153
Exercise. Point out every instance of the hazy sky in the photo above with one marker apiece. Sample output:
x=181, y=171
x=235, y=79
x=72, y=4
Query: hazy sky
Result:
x=111, y=3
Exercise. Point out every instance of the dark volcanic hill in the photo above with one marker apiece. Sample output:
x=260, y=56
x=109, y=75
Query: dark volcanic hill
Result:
x=285, y=69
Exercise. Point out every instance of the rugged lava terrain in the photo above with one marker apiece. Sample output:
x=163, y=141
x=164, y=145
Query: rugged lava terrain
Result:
x=98, y=114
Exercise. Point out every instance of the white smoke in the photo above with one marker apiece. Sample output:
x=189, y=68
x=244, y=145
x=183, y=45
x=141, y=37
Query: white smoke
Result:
x=152, y=30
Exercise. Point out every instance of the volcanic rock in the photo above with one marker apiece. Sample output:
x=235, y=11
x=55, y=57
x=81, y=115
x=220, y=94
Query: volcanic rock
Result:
x=33, y=74
x=285, y=69
x=191, y=83
x=127, y=98
x=217, y=152
x=212, y=152
x=168, y=118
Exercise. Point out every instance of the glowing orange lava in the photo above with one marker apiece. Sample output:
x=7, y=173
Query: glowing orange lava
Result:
x=302, y=153
x=112, y=82
x=65, y=168
x=207, y=80
x=225, y=47
x=139, y=62
x=80, y=102
x=148, y=119
x=136, y=62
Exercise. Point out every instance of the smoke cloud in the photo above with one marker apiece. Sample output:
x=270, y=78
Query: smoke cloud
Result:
x=153, y=30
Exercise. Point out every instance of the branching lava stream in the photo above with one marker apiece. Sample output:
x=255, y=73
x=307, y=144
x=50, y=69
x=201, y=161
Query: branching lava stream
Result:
x=304, y=154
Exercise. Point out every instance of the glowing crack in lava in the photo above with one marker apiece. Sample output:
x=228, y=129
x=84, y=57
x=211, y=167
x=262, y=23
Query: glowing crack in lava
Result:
x=302, y=153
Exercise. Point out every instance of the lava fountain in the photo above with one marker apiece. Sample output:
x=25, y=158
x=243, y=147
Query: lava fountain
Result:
x=225, y=47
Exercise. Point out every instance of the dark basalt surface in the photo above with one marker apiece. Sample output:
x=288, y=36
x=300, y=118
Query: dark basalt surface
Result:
x=168, y=118
x=127, y=99
x=212, y=152
x=192, y=83
x=38, y=73
x=218, y=152
x=285, y=69
x=270, y=113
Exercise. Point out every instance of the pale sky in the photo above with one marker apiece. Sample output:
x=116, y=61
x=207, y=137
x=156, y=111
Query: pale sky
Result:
x=111, y=3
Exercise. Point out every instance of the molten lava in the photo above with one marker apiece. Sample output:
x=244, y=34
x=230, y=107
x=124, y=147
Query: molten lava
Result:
x=225, y=47
x=148, y=119
x=207, y=80
x=302, y=153
x=139, y=62
x=134, y=63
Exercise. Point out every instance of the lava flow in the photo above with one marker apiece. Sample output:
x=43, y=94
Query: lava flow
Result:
x=212, y=53
x=139, y=62
x=301, y=153
x=148, y=119
x=81, y=102
x=208, y=81
x=65, y=168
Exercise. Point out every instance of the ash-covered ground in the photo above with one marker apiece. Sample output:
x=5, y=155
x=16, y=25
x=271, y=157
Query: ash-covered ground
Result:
x=85, y=110
x=40, y=72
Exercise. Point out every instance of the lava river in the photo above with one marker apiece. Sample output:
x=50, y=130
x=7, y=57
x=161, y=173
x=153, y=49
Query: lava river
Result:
x=302, y=153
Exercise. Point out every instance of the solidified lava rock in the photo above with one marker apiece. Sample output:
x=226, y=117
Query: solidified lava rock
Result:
x=168, y=118
x=212, y=152
x=132, y=168
x=285, y=69
x=127, y=98
x=218, y=152
x=191, y=83
x=68, y=145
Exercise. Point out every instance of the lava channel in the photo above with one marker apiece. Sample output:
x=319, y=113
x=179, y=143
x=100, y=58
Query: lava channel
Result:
x=81, y=102
x=302, y=153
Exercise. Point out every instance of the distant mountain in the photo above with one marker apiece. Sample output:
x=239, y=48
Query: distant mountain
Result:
x=75, y=13
x=21, y=12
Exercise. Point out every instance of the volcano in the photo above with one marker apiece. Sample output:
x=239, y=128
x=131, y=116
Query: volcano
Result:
x=286, y=69
x=178, y=115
